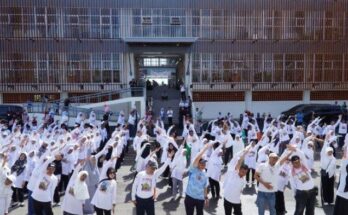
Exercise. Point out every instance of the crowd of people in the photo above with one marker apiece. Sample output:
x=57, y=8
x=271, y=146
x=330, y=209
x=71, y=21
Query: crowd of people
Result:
x=44, y=160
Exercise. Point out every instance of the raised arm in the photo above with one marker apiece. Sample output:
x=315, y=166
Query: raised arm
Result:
x=242, y=156
x=199, y=155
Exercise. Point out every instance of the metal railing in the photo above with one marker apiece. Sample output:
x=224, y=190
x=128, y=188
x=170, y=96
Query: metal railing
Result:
x=59, y=87
x=45, y=108
x=268, y=86
x=104, y=96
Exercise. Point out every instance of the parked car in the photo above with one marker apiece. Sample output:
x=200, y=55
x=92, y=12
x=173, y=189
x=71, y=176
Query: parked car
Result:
x=5, y=110
x=328, y=112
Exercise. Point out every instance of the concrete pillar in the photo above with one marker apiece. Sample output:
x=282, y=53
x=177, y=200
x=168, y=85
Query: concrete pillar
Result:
x=248, y=99
x=143, y=107
x=1, y=98
x=306, y=97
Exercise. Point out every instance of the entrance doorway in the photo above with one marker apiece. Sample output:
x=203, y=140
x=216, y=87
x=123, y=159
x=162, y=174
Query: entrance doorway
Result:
x=160, y=70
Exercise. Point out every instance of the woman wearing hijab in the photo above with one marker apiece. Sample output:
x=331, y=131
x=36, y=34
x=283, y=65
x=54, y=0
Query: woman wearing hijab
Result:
x=76, y=192
x=19, y=170
x=92, y=183
x=104, y=199
x=328, y=167
x=6, y=180
x=214, y=168
x=341, y=204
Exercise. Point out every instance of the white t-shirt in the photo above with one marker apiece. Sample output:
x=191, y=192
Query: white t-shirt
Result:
x=105, y=195
x=45, y=193
x=143, y=186
x=268, y=174
x=233, y=187
x=301, y=180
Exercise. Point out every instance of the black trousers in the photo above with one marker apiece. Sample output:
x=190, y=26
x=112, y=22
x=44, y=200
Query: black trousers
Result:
x=280, y=203
x=341, y=206
x=170, y=121
x=191, y=204
x=228, y=206
x=214, y=187
x=228, y=155
x=252, y=175
x=18, y=194
x=145, y=206
x=327, y=187
x=64, y=180
x=100, y=211
x=56, y=195
x=341, y=140
x=305, y=200
x=42, y=208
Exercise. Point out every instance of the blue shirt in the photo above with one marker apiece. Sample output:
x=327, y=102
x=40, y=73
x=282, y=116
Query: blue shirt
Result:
x=299, y=117
x=198, y=180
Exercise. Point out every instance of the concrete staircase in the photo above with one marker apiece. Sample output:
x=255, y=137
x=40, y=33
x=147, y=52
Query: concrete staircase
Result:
x=173, y=101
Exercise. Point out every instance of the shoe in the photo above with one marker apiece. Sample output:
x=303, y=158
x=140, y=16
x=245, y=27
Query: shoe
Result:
x=21, y=204
x=57, y=204
x=325, y=203
x=14, y=204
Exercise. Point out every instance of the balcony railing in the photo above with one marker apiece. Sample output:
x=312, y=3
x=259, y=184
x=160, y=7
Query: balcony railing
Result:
x=269, y=86
x=57, y=87
x=71, y=111
x=104, y=96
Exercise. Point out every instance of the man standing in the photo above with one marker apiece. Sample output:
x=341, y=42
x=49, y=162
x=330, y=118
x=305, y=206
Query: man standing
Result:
x=267, y=175
x=170, y=116
x=144, y=187
x=44, y=190
x=234, y=184
x=302, y=184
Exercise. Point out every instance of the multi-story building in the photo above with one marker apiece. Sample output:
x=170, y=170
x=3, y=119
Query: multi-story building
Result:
x=261, y=55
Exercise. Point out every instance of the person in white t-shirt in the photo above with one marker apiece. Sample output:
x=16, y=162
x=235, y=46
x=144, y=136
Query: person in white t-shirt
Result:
x=302, y=183
x=234, y=183
x=44, y=189
x=144, y=186
x=104, y=199
x=170, y=116
x=267, y=175
x=178, y=169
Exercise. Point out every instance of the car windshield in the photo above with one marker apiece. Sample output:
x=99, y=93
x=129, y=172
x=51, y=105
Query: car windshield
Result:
x=296, y=108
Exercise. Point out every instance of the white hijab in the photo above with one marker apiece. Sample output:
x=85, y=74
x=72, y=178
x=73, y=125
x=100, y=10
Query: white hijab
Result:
x=80, y=187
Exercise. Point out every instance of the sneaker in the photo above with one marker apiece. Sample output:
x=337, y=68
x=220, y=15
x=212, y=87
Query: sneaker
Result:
x=14, y=204
x=21, y=204
x=325, y=203
x=57, y=204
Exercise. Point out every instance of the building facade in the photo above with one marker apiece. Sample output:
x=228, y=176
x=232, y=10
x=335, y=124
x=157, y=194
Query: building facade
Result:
x=251, y=53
